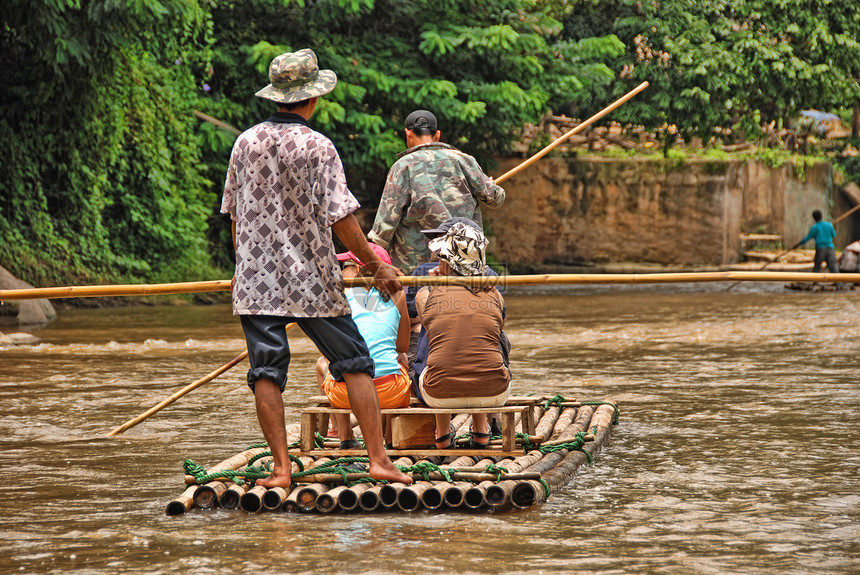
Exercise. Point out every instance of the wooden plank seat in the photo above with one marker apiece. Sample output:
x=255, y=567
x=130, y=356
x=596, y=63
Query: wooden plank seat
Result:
x=413, y=428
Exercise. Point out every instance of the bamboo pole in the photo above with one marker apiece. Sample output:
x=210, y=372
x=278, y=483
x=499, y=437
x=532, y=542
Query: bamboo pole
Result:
x=528, y=493
x=455, y=493
x=564, y=470
x=274, y=498
x=327, y=502
x=846, y=214
x=471, y=281
x=216, y=122
x=291, y=504
x=776, y=259
x=499, y=494
x=434, y=496
x=115, y=290
x=574, y=131
x=476, y=495
x=184, y=391
x=307, y=497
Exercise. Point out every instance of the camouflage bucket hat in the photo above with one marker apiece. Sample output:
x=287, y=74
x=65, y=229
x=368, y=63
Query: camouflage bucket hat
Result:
x=462, y=247
x=296, y=76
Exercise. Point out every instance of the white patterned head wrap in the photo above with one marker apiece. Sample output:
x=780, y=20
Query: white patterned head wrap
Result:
x=462, y=247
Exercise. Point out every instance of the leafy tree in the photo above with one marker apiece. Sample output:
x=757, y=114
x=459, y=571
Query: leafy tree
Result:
x=729, y=65
x=484, y=68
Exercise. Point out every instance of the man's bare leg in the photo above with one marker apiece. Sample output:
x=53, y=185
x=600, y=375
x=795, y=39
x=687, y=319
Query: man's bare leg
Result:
x=270, y=413
x=365, y=406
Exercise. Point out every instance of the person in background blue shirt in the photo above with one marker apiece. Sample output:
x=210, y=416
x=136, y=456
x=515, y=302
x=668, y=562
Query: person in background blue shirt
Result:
x=823, y=233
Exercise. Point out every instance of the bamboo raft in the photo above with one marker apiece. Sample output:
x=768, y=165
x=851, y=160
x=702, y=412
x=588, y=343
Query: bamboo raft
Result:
x=565, y=435
x=805, y=286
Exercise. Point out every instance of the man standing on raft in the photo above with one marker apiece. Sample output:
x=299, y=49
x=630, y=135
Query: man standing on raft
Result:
x=285, y=188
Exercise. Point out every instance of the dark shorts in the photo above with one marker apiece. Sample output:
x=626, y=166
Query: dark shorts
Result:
x=337, y=338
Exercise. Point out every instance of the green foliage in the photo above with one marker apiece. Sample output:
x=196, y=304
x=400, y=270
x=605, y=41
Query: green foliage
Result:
x=734, y=65
x=102, y=174
x=484, y=68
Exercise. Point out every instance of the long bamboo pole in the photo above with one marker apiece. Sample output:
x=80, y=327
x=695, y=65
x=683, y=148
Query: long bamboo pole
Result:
x=184, y=391
x=846, y=214
x=115, y=290
x=574, y=131
x=472, y=281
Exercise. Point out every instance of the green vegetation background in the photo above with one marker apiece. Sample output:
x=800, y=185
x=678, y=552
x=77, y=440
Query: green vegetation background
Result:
x=107, y=175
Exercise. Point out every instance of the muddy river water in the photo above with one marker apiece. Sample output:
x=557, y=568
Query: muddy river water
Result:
x=737, y=449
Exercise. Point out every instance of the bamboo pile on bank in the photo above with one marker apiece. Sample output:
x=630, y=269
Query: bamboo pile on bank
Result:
x=568, y=434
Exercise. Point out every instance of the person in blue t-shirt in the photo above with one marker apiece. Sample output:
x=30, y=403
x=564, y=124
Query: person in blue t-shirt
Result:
x=823, y=233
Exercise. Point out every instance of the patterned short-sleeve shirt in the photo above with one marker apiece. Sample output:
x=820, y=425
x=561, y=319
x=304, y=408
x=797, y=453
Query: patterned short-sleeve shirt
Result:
x=285, y=188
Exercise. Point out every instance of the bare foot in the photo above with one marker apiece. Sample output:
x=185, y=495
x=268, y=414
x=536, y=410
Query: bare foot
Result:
x=276, y=479
x=389, y=472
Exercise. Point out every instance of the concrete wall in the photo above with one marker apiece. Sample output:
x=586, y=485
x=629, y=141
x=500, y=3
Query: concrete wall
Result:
x=576, y=210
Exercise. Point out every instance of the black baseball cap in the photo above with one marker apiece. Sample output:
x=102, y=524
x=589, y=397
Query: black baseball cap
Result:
x=449, y=223
x=421, y=120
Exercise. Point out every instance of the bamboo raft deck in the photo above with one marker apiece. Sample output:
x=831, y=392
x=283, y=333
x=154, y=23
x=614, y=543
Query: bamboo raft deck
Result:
x=544, y=441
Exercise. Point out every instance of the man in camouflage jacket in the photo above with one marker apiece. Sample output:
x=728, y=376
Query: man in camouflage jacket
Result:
x=430, y=183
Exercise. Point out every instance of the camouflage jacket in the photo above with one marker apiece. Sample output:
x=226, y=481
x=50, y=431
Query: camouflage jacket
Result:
x=427, y=185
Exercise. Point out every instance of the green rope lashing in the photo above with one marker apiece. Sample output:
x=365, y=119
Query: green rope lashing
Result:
x=614, y=415
x=256, y=445
x=557, y=400
x=426, y=468
x=499, y=471
x=319, y=440
x=238, y=477
x=546, y=488
x=575, y=445
x=527, y=444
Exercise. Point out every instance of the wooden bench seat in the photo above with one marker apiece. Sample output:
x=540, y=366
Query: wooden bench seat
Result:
x=415, y=426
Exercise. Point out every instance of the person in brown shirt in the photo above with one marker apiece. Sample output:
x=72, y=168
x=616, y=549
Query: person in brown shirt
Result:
x=465, y=367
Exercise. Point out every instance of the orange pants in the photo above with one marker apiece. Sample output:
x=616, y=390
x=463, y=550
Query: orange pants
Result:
x=393, y=390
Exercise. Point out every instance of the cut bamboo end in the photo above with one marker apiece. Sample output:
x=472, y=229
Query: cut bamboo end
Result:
x=207, y=496
x=409, y=498
x=527, y=493
x=433, y=497
x=328, y=501
x=347, y=500
x=274, y=498
x=307, y=497
x=233, y=495
x=291, y=502
x=369, y=500
x=499, y=494
x=252, y=501
x=182, y=504
x=475, y=496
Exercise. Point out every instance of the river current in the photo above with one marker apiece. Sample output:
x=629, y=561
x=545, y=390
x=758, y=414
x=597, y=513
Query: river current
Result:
x=736, y=450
